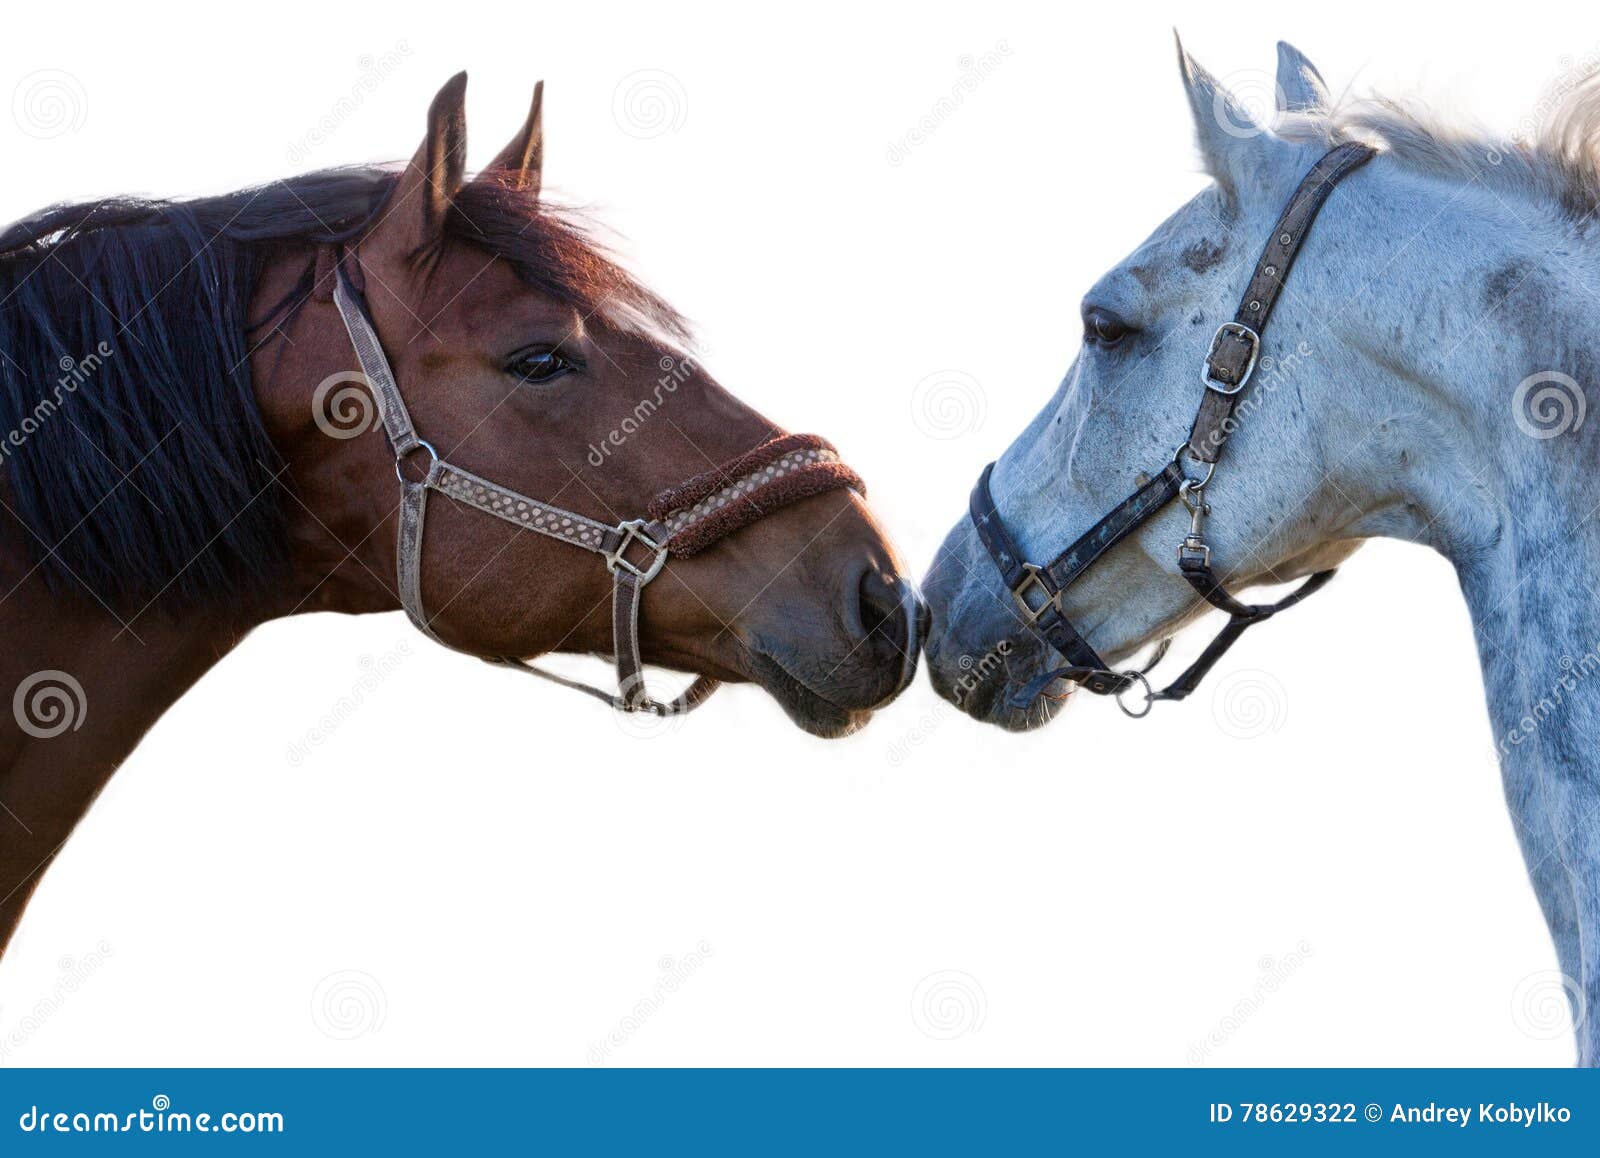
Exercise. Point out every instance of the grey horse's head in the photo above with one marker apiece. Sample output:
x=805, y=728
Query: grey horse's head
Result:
x=1318, y=455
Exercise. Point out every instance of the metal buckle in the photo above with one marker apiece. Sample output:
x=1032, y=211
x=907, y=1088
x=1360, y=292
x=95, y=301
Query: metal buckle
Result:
x=633, y=531
x=1238, y=330
x=1034, y=577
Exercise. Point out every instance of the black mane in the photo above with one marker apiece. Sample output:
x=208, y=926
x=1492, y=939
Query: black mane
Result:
x=131, y=447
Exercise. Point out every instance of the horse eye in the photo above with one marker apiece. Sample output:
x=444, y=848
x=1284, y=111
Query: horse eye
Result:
x=1104, y=328
x=542, y=365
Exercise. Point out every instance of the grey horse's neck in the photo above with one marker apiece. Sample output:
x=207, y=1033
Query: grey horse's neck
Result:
x=1511, y=493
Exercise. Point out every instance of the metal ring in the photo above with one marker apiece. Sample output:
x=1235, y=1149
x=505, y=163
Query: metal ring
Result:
x=1149, y=696
x=422, y=444
x=1211, y=467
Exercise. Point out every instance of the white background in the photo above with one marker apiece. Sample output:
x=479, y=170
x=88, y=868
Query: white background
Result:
x=1310, y=865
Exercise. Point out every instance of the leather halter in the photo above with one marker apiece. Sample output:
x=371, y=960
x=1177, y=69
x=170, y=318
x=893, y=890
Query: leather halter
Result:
x=1235, y=350
x=682, y=521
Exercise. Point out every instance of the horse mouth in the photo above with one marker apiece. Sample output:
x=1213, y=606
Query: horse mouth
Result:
x=803, y=704
x=987, y=697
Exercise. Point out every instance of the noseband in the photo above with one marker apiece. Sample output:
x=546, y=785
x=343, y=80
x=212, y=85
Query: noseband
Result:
x=681, y=521
x=1235, y=350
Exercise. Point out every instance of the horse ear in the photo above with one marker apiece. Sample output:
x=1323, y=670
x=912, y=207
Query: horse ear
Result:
x=1301, y=88
x=433, y=177
x=1224, y=129
x=521, y=161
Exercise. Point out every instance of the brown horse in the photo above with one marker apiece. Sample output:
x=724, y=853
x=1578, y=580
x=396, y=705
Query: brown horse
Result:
x=176, y=471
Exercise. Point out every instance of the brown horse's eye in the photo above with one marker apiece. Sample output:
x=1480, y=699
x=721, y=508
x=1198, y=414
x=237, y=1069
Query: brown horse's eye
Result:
x=542, y=365
x=1104, y=328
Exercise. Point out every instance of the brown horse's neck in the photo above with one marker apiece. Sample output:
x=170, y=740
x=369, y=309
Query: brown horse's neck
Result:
x=124, y=668
x=50, y=770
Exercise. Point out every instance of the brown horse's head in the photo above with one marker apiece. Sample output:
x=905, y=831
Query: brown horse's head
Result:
x=527, y=357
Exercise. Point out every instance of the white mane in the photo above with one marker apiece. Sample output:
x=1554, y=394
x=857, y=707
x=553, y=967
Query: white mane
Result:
x=1553, y=158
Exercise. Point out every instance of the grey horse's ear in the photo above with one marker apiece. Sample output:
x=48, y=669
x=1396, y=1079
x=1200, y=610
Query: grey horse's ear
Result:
x=1224, y=129
x=1301, y=88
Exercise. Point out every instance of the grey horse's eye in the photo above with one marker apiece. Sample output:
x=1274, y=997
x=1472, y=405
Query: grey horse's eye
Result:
x=1104, y=328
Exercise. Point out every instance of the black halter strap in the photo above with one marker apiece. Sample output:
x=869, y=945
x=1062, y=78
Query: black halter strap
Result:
x=1230, y=363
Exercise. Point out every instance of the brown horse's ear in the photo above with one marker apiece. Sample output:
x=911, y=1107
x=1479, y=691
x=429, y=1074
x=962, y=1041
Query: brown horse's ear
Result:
x=433, y=177
x=520, y=162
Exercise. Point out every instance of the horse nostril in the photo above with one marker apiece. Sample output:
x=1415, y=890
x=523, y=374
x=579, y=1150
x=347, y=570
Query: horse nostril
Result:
x=886, y=614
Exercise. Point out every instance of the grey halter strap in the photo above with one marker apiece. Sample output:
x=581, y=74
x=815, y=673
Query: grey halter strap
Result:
x=634, y=550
